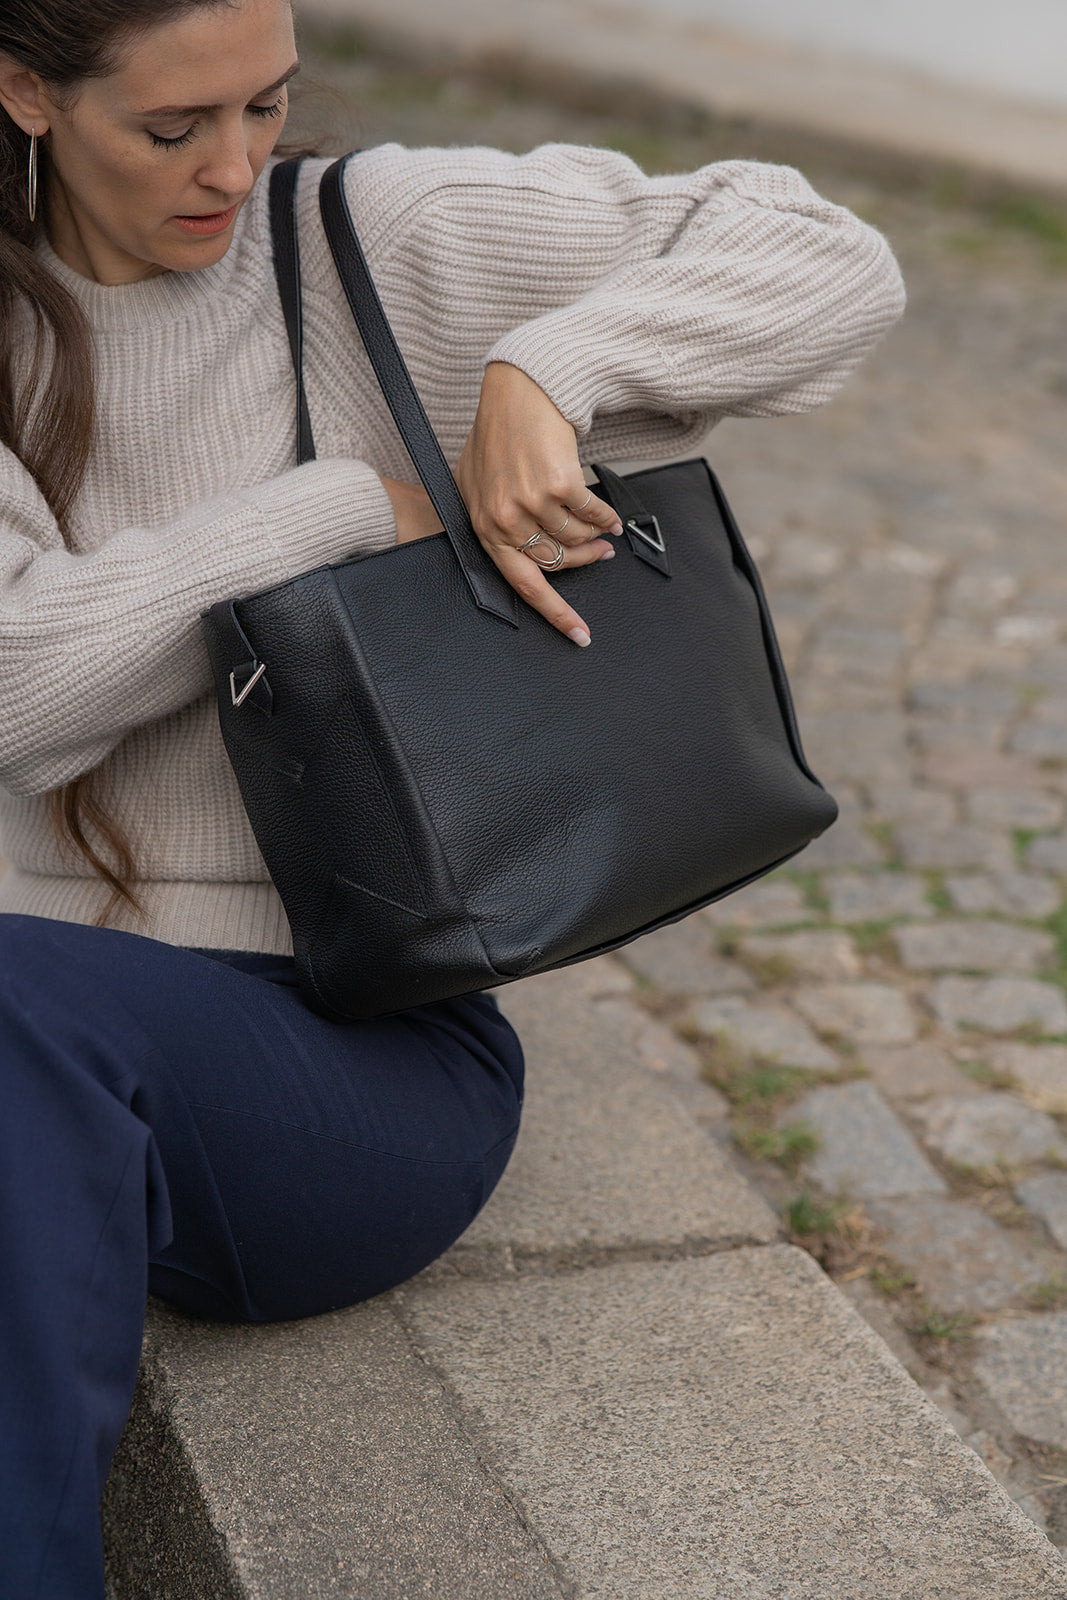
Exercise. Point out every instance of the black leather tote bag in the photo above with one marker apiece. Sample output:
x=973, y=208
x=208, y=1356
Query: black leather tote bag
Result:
x=447, y=793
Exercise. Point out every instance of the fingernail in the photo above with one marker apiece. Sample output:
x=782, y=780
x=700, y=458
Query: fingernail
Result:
x=616, y=528
x=608, y=555
x=579, y=635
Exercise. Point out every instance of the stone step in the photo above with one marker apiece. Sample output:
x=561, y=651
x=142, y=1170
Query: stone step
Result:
x=608, y=1163
x=724, y=1426
x=618, y=1384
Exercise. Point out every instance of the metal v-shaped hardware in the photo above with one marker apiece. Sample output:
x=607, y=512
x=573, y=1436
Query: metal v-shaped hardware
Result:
x=239, y=699
x=657, y=542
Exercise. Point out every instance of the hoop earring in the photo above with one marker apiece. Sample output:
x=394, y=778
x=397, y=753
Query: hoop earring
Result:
x=31, y=186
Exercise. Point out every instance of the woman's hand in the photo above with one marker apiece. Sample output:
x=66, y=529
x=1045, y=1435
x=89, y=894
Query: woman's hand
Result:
x=520, y=475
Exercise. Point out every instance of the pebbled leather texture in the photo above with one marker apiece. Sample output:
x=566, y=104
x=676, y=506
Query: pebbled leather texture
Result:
x=447, y=806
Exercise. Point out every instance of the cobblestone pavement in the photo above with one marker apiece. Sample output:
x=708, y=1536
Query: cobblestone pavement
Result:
x=881, y=1031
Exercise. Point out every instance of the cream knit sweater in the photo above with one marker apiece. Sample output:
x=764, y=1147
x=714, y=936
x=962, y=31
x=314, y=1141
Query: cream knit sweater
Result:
x=646, y=308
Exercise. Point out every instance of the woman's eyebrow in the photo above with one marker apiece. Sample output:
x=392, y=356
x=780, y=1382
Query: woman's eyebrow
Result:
x=188, y=111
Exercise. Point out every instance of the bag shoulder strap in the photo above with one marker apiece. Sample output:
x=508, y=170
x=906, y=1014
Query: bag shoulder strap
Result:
x=283, y=181
x=490, y=591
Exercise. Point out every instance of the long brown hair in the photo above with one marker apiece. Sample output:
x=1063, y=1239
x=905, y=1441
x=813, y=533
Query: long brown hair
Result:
x=50, y=425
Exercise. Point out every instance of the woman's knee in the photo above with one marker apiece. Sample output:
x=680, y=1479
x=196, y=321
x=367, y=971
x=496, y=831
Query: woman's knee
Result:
x=471, y=1036
x=330, y=1251
x=340, y=1222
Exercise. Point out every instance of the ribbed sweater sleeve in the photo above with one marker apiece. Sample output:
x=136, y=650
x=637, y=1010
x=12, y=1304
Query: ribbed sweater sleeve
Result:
x=94, y=645
x=734, y=290
x=757, y=298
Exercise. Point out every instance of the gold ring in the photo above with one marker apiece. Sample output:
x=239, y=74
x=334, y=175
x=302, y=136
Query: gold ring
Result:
x=546, y=566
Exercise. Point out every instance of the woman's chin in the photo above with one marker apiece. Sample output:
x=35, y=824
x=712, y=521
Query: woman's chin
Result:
x=189, y=252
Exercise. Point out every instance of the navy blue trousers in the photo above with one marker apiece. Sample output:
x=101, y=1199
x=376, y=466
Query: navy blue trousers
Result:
x=180, y=1122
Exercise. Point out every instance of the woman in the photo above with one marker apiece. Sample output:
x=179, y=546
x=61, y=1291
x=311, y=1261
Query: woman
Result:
x=173, y=1117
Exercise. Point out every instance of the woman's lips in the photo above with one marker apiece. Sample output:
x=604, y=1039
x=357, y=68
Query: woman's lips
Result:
x=214, y=222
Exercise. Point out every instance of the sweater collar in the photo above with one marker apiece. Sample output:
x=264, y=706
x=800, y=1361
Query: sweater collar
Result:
x=167, y=298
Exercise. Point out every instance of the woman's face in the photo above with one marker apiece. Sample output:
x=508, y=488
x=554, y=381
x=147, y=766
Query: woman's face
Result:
x=150, y=165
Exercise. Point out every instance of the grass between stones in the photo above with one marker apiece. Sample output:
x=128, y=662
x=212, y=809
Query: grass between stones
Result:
x=990, y=1186
x=998, y=1203
x=789, y=1145
x=891, y=1281
x=846, y=1244
x=937, y=895
x=983, y=1073
x=759, y=1090
x=883, y=835
x=837, y=1232
x=811, y=887
x=873, y=939
x=1057, y=926
x=748, y=1081
x=807, y=1216
x=995, y=1175
x=1049, y=1295
x=938, y=1326
x=768, y=971
x=1030, y=1033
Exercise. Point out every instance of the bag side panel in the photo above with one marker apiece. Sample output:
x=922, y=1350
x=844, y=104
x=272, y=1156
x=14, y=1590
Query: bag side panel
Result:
x=359, y=876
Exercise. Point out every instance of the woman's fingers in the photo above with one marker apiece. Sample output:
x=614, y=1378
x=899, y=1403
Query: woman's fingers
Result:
x=527, y=572
x=513, y=515
x=525, y=548
x=574, y=516
x=594, y=513
x=544, y=552
x=533, y=586
x=521, y=477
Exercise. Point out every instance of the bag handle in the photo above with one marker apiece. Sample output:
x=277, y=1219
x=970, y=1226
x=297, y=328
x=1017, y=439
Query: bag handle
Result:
x=287, y=274
x=489, y=590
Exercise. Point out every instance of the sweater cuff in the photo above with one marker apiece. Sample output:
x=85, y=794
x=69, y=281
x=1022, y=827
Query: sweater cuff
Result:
x=583, y=369
x=326, y=511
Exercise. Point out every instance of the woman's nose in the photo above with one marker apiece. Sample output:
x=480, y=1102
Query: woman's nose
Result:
x=228, y=168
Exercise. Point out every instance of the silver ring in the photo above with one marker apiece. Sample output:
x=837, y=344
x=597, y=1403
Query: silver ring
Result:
x=585, y=502
x=557, y=531
x=546, y=566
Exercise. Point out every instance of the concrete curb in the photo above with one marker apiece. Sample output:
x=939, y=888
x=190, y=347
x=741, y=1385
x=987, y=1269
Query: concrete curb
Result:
x=885, y=115
x=698, y=1413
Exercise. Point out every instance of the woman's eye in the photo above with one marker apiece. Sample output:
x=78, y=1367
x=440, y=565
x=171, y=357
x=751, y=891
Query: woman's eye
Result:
x=275, y=109
x=171, y=144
